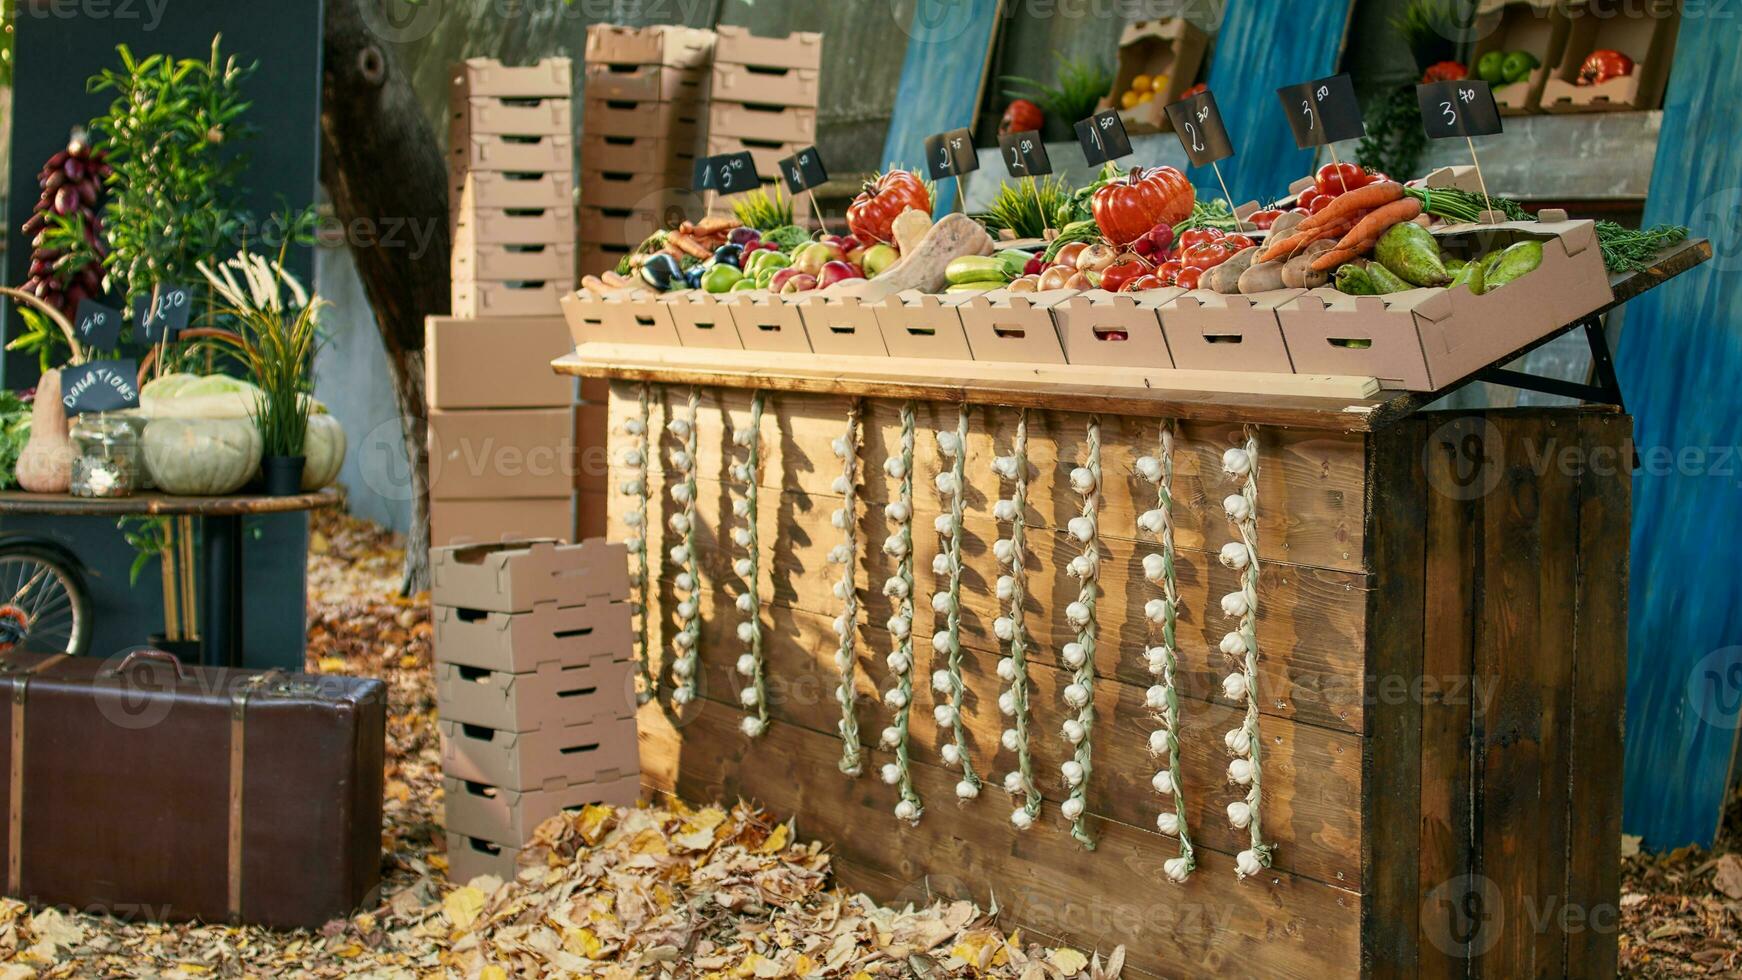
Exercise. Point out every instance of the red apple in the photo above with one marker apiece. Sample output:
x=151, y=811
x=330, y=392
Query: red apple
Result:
x=837, y=271
x=797, y=283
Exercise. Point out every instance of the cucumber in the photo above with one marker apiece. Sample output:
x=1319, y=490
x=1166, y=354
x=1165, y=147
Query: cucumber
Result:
x=980, y=286
x=975, y=268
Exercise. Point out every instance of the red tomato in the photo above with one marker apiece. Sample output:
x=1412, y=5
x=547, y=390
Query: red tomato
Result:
x=1150, y=281
x=1237, y=243
x=1020, y=116
x=1205, y=255
x=1198, y=236
x=1197, y=89
x=1335, y=178
x=872, y=212
x=1262, y=220
x=1145, y=197
x=1119, y=273
x=1306, y=198
x=1188, y=278
x=1320, y=203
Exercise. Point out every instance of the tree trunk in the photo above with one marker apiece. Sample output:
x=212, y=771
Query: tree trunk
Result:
x=385, y=170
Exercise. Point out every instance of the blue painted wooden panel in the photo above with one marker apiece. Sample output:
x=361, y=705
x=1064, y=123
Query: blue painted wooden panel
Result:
x=949, y=44
x=1263, y=46
x=1679, y=360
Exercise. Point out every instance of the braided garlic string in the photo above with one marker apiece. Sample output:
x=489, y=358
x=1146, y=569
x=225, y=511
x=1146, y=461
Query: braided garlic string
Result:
x=1080, y=655
x=846, y=554
x=899, y=589
x=1241, y=646
x=635, y=460
x=1162, y=697
x=1013, y=590
x=750, y=665
x=686, y=664
x=952, y=487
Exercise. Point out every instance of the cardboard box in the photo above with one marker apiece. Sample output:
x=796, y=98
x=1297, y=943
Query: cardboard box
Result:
x=592, y=510
x=661, y=44
x=529, y=298
x=773, y=123
x=1016, y=327
x=765, y=154
x=1171, y=48
x=549, y=634
x=598, y=258
x=841, y=325
x=517, y=226
x=646, y=154
x=646, y=83
x=546, y=78
x=619, y=318
x=458, y=522
x=516, y=576
x=481, y=190
x=554, y=697
x=510, y=117
x=1644, y=30
x=1536, y=26
x=474, y=857
x=501, y=453
x=700, y=319
x=683, y=123
x=633, y=189
x=916, y=324
x=737, y=46
x=548, y=758
x=768, y=321
x=1209, y=331
x=553, y=262
x=1111, y=330
x=505, y=817
x=502, y=362
x=766, y=86
x=524, y=154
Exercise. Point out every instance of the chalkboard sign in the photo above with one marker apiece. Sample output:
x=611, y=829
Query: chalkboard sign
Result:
x=1024, y=154
x=1460, y=108
x=160, y=315
x=803, y=170
x=702, y=177
x=98, y=325
x=100, y=386
x=1321, y=112
x=1198, y=124
x=1103, y=137
x=735, y=173
x=950, y=154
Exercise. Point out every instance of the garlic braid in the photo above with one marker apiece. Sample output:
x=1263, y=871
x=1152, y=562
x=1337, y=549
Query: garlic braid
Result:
x=749, y=568
x=635, y=461
x=1162, y=698
x=1241, y=646
x=952, y=487
x=686, y=665
x=846, y=554
x=899, y=589
x=1013, y=589
x=1080, y=655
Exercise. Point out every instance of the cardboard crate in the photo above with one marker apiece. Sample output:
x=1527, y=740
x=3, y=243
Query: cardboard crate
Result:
x=500, y=362
x=683, y=123
x=521, y=154
x=549, y=77
x=768, y=321
x=488, y=114
x=501, y=453
x=737, y=46
x=623, y=224
x=508, y=818
x=660, y=44
x=841, y=325
x=647, y=154
x=916, y=324
x=517, y=226
x=1537, y=26
x=513, y=262
x=1110, y=330
x=1644, y=30
x=1171, y=47
x=765, y=154
x=766, y=85
x=530, y=298
x=554, y=697
x=474, y=857
x=634, y=189
x=598, y=258
x=516, y=576
x=700, y=320
x=1017, y=327
x=1209, y=331
x=478, y=190
x=645, y=83
x=550, y=634
x=548, y=758
x=776, y=123
x=462, y=522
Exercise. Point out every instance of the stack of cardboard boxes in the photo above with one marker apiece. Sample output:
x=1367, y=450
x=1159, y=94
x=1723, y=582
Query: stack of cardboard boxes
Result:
x=535, y=691
x=764, y=96
x=646, y=113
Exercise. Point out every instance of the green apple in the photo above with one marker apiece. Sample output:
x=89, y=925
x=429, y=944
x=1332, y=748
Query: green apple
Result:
x=1491, y=67
x=878, y=258
x=1518, y=66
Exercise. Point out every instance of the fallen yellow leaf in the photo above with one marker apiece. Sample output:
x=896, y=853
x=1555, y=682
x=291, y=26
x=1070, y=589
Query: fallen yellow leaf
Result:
x=776, y=841
x=329, y=665
x=1067, y=961
x=591, y=823
x=463, y=905
x=582, y=942
x=492, y=972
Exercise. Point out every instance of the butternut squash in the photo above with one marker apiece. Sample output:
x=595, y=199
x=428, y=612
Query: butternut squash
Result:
x=924, y=266
x=45, y=465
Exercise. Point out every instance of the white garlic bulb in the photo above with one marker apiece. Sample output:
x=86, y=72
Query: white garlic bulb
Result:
x=1071, y=808
x=1083, y=480
x=1238, y=741
x=743, y=437
x=895, y=587
x=1149, y=468
x=1163, y=782
x=1077, y=613
x=1234, y=687
x=633, y=518
x=840, y=554
x=1010, y=740
x=1074, y=654
x=952, y=754
x=746, y=632
x=891, y=773
x=839, y=519
x=743, y=567
x=944, y=524
x=1076, y=695
x=841, y=446
x=685, y=582
x=749, y=697
x=1074, y=731
x=1235, y=604
x=633, y=457
x=940, y=564
x=1177, y=869
x=843, y=484
x=1083, y=567
x=944, y=715
x=1154, y=567
x=1247, y=863
x=682, y=462
x=1155, y=658
x=1240, y=814
x=1007, y=703
x=895, y=467
x=1160, y=741
x=1072, y=770
x=1002, y=549
x=1013, y=782
x=1237, y=506
x=1005, y=588
x=1240, y=771
x=942, y=603
x=1236, y=462
x=1152, y=521
x=1167, y=823
x=1003, y=628
x=895, y=698
x=1155, y=697
x=634, y=427
x=746, y=664
x=746, y=603
x=949, y=443
x=942, y=682
x=1156, y=610
x=1235, y=555
x=1082, y=527
x=1007, y=669
x=740, y=472
x=966, y=790
x=898, y=512
x=741, y=537
x=890, y=738
x=947, y=483
x=1234, y=644
x=1020, y=819
x=899, y=662
x=1004, y=510
x=678, y=427
x=741, y=507
x=753, y=727
x=905, y=810
x=633, y=488
x=895, y=545
x=899, y=626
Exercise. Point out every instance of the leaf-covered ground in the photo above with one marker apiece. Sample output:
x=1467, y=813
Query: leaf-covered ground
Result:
x=668, y=890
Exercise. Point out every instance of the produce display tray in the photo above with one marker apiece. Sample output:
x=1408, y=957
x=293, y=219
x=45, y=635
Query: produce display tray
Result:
x=645, y=83
x=759, y=121
x=660, y=44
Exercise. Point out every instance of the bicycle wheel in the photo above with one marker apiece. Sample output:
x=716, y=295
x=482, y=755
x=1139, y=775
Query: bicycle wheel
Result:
x=43, y=604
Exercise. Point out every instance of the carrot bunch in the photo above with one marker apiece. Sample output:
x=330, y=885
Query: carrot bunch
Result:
x=1360, y=239
x=1347, y=213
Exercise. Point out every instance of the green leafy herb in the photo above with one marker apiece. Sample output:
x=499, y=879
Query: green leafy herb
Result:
x=1213, y=213
x=763, y=211
x=1081, y=85
x=149, y=537
x=1027, y=209
x=1634, y=249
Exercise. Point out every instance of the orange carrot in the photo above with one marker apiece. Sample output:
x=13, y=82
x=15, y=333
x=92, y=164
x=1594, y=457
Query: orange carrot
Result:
x=1335, y=257
x=1369, y=229
x=1301, y=239
x=1344, y=206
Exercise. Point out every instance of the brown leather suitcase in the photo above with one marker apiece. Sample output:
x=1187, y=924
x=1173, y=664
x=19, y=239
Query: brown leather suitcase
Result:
x=139, y=787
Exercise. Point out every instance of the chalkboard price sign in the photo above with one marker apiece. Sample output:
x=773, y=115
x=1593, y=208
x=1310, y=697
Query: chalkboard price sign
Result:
x=98, y=326
x=803, y=171
x=702, y=177
x=1323, y=111
x=1024, y=154
x=1459, y=108
x=100, y=386
x=163, y=313
x=1198, y=124
x=734, y=173
x=950, y=154
x=1103, y=137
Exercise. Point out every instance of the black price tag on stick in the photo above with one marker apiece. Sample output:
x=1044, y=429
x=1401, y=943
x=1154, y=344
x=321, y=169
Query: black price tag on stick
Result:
x=950, y=154
x=1460, y=108
x=1198, y=124
x=1322, y=112
x=161, y=314
x=98, y=326
x=100, y=386
x=1103, y=137
x=702, y=178
x=735, y=173
x=803, y=171
x=1024, y=154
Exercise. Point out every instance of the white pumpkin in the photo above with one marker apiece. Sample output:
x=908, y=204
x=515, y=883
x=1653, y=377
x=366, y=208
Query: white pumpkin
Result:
x=201, y=456
x=323, y=450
